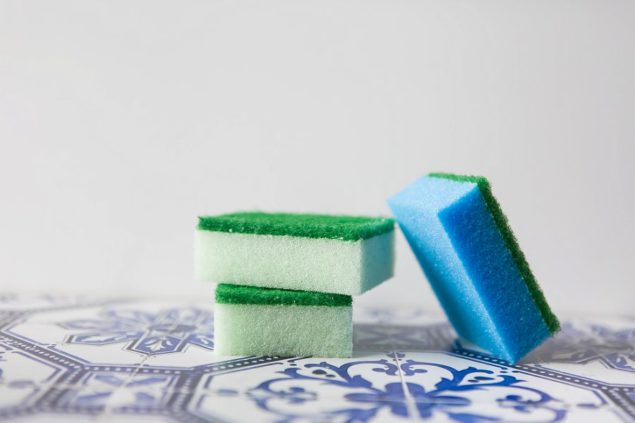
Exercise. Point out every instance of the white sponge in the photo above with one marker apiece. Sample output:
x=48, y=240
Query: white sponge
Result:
x=337, y=254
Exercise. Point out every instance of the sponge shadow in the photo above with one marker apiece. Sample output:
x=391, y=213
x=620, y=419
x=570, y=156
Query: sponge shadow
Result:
x=574, y=344
x=377, y=337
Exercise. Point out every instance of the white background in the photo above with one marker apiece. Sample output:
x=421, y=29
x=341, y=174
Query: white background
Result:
x=121, y=121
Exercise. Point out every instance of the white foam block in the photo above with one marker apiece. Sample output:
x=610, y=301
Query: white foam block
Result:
x=283, y=330
x=288, y=262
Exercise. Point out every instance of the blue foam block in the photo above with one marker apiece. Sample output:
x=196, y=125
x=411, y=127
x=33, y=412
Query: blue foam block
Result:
x=465, y=247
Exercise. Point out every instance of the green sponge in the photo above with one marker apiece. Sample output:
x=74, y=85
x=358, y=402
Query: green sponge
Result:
x=325, y=253
x=264, y=321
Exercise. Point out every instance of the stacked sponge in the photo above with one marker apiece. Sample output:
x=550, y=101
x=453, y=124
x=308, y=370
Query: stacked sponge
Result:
x=286, y=280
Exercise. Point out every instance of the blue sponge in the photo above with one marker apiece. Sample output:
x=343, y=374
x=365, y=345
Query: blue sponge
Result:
x=462, y=240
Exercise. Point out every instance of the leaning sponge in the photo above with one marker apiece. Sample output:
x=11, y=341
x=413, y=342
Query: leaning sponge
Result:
x=265, y=321
x=339, y=254
x=463, y=242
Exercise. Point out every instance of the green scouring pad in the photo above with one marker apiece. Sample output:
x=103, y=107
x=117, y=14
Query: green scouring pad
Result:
x=325, y=253
x=266, y=321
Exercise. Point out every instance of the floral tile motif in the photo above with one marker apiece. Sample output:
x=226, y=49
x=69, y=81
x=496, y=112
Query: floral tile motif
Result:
x=333, y=377
x=361, y=389
x=164, y=332
x=583, y=343
x=109, y=333
x=238, y=408
x=73, y=358
x=460, y=389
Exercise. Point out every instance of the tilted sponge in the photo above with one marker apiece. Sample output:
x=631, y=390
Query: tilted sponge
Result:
x=339, y=254
x=467, y=250
x=266, y=321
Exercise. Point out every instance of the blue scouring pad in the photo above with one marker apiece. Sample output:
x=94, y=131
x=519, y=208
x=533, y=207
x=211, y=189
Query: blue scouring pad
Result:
x=462, y=240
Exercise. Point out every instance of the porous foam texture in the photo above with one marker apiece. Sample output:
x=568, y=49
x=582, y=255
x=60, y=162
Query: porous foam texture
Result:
x=293, y=323
x=463, y=242
x=336, y=254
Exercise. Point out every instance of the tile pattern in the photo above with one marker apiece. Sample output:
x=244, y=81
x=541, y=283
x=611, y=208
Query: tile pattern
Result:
x=87, y=359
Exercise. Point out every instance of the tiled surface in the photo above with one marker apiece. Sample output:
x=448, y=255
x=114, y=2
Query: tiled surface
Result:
x=84, y=359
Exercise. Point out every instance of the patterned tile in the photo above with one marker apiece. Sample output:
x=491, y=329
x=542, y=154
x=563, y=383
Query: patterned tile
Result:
x=458, y=388
x=298, y=409
x=83, y=359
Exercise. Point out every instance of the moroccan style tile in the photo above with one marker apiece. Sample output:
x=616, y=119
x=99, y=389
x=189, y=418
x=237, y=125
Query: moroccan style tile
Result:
x=114, y=334
x=407, y=329
x=239, y=408
x=463, y=389
x=406, y=316
x=87, y=359
x=602, y=349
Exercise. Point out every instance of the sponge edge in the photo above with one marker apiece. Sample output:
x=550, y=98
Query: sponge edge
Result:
x=283, y=330
x=239, y=294
x=289, y=262
x=468, y=261
x=347, y=228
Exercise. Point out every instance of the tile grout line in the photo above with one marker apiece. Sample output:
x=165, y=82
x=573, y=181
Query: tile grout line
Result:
x=410, y=403
x=53, y=384
x=108, y=407
x=108, y=410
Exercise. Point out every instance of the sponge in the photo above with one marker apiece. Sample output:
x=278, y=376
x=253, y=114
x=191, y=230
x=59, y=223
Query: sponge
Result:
x=339, y=254
x=469, y=254
x=266, y=321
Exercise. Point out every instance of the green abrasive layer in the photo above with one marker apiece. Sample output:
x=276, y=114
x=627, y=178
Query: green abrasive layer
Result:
x=520, y=261
x=238, y=294
x=348, y=228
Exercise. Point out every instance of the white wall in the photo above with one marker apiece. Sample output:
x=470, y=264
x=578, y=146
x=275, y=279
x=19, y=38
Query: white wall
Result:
x=121, y=121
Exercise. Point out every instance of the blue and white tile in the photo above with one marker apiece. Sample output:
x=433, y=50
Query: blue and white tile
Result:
x=188, y=338
x=409, y=328
x=114, y=334
x=17, y=398
x=406, y=316
x=154, y=361
x=19, y=367
x=25, y=378
x=300, y=407
x=364, y=388
x=458, y=388
x=602, y=349
x=297, y=389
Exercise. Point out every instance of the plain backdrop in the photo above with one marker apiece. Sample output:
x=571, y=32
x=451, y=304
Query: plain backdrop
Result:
x=121, y=121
